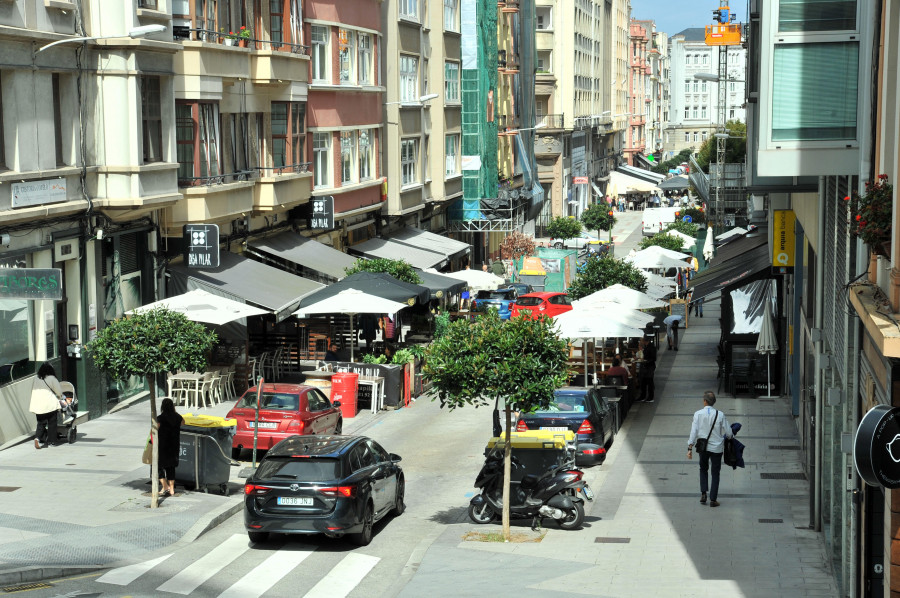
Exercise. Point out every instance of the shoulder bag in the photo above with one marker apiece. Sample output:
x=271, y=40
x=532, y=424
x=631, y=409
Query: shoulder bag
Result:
x=702, y=442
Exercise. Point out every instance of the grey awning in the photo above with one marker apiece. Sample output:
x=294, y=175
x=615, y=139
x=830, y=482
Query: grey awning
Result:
x=640, y=173
x=394, y=250
x=428, y=241
x=305, y=252
x=733, y=272
x=251, y=281
x=441, y=286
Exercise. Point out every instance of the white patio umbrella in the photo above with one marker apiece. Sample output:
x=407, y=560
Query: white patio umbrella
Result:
x=767, y=345
x=351, y=302
x=612, y=309
x=580, y=324
x=477, y=280
x=200, y=306
x=624, y=295
x=708, y=246
x=657, y=280
x=658, y=292
x=687, y=240
x=657, y=257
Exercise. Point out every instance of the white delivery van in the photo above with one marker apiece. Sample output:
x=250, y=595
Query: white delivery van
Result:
x=656, y=218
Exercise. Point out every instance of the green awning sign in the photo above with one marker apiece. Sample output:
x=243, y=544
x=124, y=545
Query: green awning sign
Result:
x=31, y=283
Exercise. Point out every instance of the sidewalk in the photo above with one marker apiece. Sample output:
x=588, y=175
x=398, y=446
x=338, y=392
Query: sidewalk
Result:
x=94, y=500
x=646, y=533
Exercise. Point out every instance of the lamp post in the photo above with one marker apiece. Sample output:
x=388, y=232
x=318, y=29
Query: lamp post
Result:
x=133, y=33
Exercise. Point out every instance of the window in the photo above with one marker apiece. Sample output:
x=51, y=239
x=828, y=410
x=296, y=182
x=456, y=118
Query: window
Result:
x=57, y=120
x=695, y=112
x=731, y=113
x=544, y=17
x=321, y=143
x=2, y=136
x=151, y=118
x=348, y=156
x=696, y=86
x=451, y=21
x=287, y=133
x=451, y=81
x=545, y=61
x=696, y=136
x=184, y=142
x=704, y=134
x=703, y=87
x=365, y=58
x=687, y=112
x=319, y=50
x=816, y=15
x=702, y=111
x=197, y=141
x=409, y=9
x=409, y=79
x=365, y=155
x=706, y=59
x=285, y=20
x=409, y=152
x=347, y=56
x=425, y=88
x=687, y=87
x=687, y=137
x=240, y=142
x=451, y=155
x=276, y=21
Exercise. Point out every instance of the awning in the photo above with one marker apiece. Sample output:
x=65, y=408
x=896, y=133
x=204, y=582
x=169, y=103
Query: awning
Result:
x=246, y=280
x=421, y=239
x=676, y=183
x=738, y=246
x=375, y=283
x=734, y=272
x=441, y=286
x=394, y=250
x=640, y=173
x=305, y=252
x=597, y=190
x=629, y=184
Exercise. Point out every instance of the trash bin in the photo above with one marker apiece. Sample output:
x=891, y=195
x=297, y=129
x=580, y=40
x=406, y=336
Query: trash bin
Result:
x=536, y=450
x=345, y=388
x=205, y=449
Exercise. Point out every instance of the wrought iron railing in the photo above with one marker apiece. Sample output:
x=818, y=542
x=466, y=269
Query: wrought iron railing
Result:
x=287, y=168
x=216, y=179
x=220, y=37
x=551, y=121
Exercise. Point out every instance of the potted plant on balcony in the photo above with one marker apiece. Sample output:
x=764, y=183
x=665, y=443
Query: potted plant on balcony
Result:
x=244, y=35
x=871, y=215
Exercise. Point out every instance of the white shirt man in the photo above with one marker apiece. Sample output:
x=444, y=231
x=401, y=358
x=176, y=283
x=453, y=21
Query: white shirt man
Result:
x=713, y=423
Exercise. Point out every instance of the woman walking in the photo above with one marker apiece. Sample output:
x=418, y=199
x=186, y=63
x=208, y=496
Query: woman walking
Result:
x=45, y=396
x=169, y=435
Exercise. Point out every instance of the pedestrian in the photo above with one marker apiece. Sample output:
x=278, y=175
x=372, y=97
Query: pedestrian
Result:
x=332, y=353
x=368, y=327
x=710, y=427
x=698, y=307
x=498, y=268
x=672, y=323
x=648, y=369
x=168, y=425
x=46, y=394
x=387, y=329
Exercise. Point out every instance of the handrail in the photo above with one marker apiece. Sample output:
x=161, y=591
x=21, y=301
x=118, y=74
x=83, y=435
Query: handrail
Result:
x=216, y=179
x=294, y=48
x=296, y=168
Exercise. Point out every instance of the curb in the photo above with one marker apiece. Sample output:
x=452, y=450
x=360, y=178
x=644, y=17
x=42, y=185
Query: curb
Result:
x=35, y=574
x=211, y=519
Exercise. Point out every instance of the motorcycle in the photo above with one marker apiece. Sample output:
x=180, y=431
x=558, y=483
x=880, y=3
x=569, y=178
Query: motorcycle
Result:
x=557, y=494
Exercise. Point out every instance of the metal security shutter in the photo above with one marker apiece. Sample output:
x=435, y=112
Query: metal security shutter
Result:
x=839, y=249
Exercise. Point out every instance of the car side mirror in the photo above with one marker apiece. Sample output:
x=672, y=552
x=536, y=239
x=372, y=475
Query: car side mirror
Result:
x=395, y=458
x=335, y=404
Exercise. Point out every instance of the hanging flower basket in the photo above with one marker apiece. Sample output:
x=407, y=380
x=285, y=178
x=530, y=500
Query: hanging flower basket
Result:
x=871, y=214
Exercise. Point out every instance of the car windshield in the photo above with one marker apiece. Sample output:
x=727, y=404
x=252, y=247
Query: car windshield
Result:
x=302, y=469
x=567, y=403
x=529, y=301
x=272, y=400
x=501, y=294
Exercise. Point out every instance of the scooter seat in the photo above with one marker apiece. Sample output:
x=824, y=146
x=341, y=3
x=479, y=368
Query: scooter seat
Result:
x=529, y=481
x=533, y=502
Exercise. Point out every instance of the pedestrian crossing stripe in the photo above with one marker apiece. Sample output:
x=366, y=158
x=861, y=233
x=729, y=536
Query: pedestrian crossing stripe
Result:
x=190, y=578
x=345, y=576
x=125, y=575
x=267, y=574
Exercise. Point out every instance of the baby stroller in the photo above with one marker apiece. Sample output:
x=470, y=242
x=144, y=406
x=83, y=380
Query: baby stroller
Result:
x=68, y=416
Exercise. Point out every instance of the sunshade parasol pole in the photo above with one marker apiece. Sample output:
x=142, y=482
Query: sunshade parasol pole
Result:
x=351, y=338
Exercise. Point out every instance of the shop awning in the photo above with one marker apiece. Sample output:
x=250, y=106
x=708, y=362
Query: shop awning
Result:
x=375, y=283
x=629, y=184
x=441, y=286
x=429, y=241
x=245, y=280
x=738, y=246
x=733, y=272
x=640, y=173
x=394, y=250
x=305, y=252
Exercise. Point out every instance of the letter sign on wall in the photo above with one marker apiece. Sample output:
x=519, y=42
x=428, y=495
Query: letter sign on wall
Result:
x=321, y=213
x=31, y=283
x=201, y=246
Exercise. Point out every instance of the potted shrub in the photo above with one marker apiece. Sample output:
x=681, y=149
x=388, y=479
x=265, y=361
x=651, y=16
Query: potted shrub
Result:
x=871, y=214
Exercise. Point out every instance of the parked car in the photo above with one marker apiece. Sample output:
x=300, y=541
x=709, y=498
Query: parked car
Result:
x=578, y=242
x=285, y=410
x=332, y=485
x=520, y=287
x=538, y=304
x=501, y=300
x=581, y=410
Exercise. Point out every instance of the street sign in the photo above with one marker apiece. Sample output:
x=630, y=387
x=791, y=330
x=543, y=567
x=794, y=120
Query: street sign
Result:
x=322, y=212
x=31, y=283
x=876, y=447
x=201, y=245
x=580, y=180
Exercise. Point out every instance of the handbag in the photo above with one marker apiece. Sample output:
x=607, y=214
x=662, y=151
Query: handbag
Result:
x=147, y=457
x=702, y=442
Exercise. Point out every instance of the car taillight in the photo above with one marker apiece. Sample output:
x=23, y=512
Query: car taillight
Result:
x=586, y=428
x=336, y=491
x=521, y=426
x=297, y=423
x=255, y=490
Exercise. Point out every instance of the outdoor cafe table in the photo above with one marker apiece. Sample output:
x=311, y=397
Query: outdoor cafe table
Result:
x=185, y=379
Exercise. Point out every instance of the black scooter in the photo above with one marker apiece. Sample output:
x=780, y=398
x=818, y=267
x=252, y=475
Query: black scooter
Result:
x=554, y=494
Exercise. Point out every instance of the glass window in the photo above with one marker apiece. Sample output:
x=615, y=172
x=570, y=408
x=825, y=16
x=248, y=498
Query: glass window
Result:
x=702, y=111
x=409, y=79
x=695, y=112
x=184, y=140
x=451, y=21
x=409, y=152
x=348, y=156
x=319, y=52
x=321, y=143
x=687, y=112
x=279, y=133
x=365, y=58
x=696, y=136
x=816, y=15
x=209, y=140
x=451, y=155
x=696, y=86
x=409, y=8
x=151, y=116
x=687, y=86
x=347, y=55
x=451, y=81
x=687, y=137
x=276, y=21
x=365, y=155
x=815, y=91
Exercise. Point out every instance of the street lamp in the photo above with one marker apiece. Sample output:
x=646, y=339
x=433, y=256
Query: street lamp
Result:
x=421, y=100
x=136, y=32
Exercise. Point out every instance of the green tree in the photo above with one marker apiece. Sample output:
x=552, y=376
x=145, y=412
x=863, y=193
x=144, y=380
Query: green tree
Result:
x=147, y=344
x=663, y=240
x=399, y=269
x=664, y=167
x=598, y=217
x=735, y=146
x=601, y=272
x=688, y=228
x=563, y=227
x=697, y=215
x=518, y=363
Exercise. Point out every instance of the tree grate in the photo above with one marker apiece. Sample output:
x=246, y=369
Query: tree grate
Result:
x=782, y=476
x=771, y=520
x=784, y=447
x=611, y=540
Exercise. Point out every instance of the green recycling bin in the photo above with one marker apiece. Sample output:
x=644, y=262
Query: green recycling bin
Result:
x=205, y=460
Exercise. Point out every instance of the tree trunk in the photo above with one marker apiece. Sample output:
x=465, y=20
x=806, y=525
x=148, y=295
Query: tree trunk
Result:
x=154, y=437
x=507, y=454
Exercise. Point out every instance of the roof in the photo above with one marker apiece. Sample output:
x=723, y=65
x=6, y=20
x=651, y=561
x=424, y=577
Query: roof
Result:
x=693, y=34
x=314, y=446
x=305, y=252
x=396, y=250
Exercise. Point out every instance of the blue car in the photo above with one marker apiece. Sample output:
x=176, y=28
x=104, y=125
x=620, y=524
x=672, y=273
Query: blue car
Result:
x=502, y=300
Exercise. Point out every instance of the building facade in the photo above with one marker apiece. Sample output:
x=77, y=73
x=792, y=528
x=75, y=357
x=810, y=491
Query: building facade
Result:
x=640, y=33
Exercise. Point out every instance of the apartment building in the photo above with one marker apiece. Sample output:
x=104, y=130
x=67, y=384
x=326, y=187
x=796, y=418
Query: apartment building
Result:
x=640, y=33
x=658, y=115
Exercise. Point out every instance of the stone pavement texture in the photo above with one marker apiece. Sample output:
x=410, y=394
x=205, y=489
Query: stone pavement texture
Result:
x=646, y=533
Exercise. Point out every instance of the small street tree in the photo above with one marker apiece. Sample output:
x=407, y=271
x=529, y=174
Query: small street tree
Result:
x=563, y=228
x=146, y=344
x=665, y=241
x=519, y=363
x=399, y=269
x=697, y=215
x=598, y=217
x=601, y=272
x=687, y=228
x=516, y=245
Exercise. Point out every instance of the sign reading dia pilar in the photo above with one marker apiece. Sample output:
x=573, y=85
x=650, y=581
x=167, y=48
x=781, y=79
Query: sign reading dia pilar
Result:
x=201, y=245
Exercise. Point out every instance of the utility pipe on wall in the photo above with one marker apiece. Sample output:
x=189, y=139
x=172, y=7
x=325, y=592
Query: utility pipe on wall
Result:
x=820, y=379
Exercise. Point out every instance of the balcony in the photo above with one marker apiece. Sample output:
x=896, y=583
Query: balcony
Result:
x=282, y=188
x=277, y=66
x=551, y=121
x=509, y=6
x=211, y=200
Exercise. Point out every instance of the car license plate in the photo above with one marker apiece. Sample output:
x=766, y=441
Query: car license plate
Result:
x=263, y=425
x=555, y=429
x=302, y=501
x=588, y=493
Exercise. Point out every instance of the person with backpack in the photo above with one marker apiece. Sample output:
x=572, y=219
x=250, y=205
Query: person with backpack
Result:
x=708, y=433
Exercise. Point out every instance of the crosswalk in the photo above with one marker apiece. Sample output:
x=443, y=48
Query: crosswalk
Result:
x=346, y=575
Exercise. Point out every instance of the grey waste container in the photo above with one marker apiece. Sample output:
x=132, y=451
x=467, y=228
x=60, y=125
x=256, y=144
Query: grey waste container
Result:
x=205, y=459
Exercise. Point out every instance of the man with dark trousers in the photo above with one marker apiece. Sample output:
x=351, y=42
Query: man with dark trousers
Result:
x=648, y=369
x=711, y=424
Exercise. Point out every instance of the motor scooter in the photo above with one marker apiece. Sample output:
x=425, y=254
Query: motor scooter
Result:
x=557, y=493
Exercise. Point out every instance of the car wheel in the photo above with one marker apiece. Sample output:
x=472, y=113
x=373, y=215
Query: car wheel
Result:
x=338, y=427
x=364, y=537
x=557, y=246
x=235, y=453
x=258, y=537
x=574, y=519
x=399, y=505
x=482, y=513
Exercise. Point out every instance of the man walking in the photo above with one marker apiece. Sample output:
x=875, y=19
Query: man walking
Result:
x=711, y=425
x=648, y=369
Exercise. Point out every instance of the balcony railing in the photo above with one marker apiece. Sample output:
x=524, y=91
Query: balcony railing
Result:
x=551, y=121
x=217, y=179
x=288, y=168
x=217, y=37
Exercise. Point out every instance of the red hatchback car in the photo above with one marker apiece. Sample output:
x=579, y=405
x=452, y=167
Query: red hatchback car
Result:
x=285, y=410
x=533, y=305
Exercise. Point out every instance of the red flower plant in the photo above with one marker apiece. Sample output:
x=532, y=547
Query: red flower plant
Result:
x=873, y=211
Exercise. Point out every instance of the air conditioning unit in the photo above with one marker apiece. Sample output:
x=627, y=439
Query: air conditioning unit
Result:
x=66, y=249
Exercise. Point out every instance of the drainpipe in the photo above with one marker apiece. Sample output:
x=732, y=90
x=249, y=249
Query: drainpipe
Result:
x=820, y=380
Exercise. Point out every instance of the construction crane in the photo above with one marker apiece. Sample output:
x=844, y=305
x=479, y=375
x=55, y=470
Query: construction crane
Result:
x=722, y=34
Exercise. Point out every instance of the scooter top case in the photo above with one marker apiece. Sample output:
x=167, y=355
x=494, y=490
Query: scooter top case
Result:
x=536, y=450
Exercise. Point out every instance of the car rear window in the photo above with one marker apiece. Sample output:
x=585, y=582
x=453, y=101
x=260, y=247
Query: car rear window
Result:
x=301, y=469
x=272, y=400
x=501, y=294
x=529, y=301
x=567, y=403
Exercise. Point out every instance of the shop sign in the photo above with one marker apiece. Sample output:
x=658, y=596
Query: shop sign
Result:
x=322, y=212
x=580, y=180
x=37, y=193
x=876, y=447
x=783, y=239
x=31, y=283
x=201, y=245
